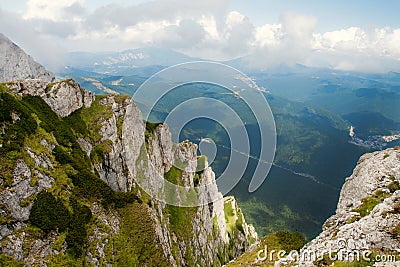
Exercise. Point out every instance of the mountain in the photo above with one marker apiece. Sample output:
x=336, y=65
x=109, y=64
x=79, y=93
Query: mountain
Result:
x=15, y=64
x=366, y=223
x=314, y=151
x=367, y=214
x=69, y=185
x=126, y=62
x=367, y=101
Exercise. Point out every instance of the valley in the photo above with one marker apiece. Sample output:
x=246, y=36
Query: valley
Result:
x=312, y=135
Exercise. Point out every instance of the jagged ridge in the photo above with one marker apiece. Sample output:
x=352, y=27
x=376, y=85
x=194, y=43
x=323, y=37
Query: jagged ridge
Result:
x=48, y=161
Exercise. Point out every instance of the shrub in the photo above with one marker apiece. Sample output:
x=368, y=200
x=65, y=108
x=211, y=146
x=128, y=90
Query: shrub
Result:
x=16, y=131
x=174, y=176
x=77, y=234
x=49, y=213
x=291, y=240
x=61, y=155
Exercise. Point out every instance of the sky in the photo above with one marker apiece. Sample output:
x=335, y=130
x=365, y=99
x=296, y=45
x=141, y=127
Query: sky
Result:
x=358, y=35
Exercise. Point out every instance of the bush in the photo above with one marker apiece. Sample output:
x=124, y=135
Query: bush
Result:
x=61, y=155
x=49, y=213
x=291, y=240
x=17, y=130
x=77, y=234
x=92, y=187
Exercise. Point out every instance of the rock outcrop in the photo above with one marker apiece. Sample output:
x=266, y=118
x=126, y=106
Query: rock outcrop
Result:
x=367, y=218
x=364, y=231
x=15, y=64
x=122, y=148
x=64, y=97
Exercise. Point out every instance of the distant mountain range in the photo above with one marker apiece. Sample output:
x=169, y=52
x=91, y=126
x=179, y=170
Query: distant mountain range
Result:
x=123, y=63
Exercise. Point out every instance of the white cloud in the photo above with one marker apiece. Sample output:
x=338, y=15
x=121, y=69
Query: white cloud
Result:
x=206, y=29
x=358, y=49
x=54, y=10
x=268, y=35
x=288, y=42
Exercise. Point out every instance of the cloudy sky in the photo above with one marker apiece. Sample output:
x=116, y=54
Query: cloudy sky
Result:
x=361, y=35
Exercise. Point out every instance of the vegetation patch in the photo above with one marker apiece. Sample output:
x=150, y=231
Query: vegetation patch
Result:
x=369, y=203
x=394, y=185
x=9, y=261
x=15, y=130
x=150, y=130
x=201, y=163
x=49, y=213
x=136, y=243
x=99, y=151
x=233, y=218
x=94, y=116
x=281, y=240
x=180, y=219
x=174, y=175
x=4, y=88
x=121, y=98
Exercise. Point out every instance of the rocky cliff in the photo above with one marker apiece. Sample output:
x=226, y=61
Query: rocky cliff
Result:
x=68, y=190
x=364, y=231
x=367, y=218
x=15, y=64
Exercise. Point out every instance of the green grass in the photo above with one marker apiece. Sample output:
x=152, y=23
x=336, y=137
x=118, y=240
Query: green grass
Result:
x=180, y=219
x=276, y=241
x=201, y=163
x=93, y=117
x=234, y=218
x=4, y=88
x=9, y=261
x=98, y=152
x=136, y=243
x=369, y=203
x=174, y=176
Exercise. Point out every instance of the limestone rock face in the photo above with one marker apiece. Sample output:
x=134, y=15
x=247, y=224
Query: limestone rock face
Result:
x=64, y=97
x=15, y=64
x=368, y=212
x=138, y=154
x=132, y=151
x=124, y=151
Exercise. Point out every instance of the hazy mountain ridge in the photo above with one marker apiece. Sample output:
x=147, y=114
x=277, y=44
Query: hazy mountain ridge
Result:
x=125, y=62
x=15, y=64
